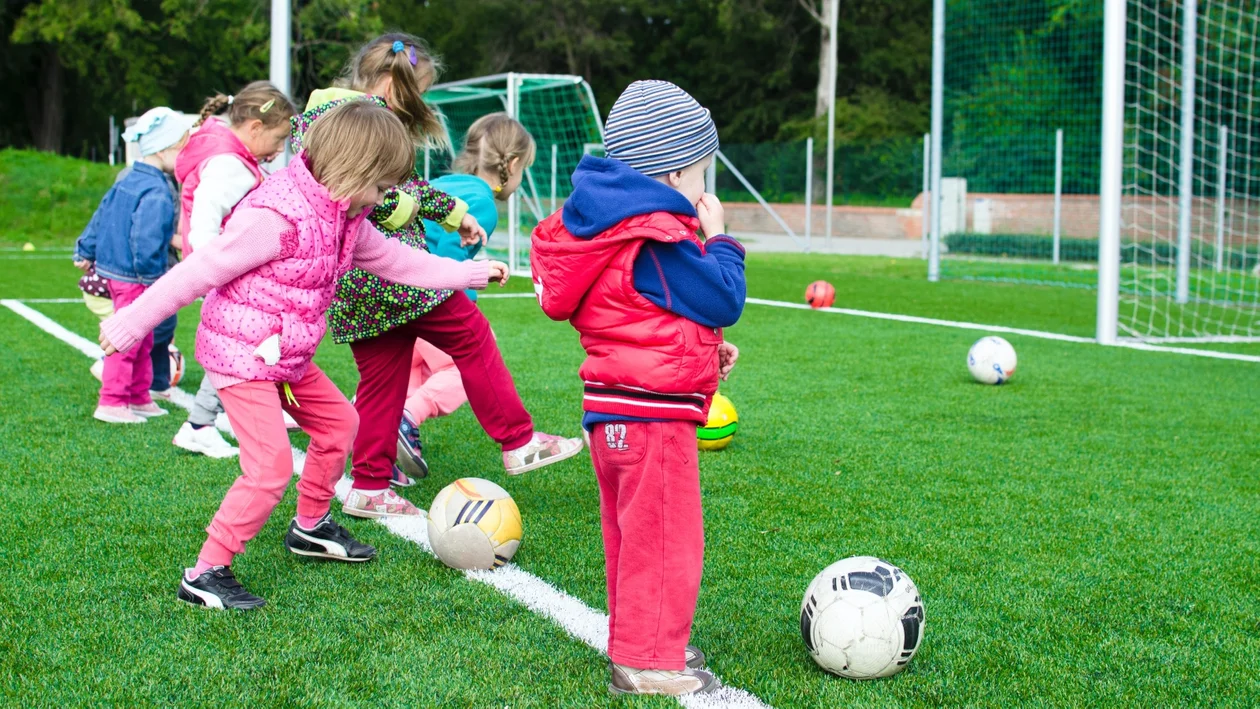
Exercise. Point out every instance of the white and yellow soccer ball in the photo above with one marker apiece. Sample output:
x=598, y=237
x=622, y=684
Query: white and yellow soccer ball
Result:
x=862, y=618
x=474, y=524
x=991, y=360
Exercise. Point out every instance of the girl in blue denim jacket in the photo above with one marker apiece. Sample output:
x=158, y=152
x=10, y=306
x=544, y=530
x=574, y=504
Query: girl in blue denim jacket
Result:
x=127, y=242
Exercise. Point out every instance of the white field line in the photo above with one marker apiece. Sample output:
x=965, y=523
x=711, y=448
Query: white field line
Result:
x=1007, y=330
x=575, y=617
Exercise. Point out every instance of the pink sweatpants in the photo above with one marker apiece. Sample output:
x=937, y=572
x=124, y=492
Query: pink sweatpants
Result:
x=254, y=408
x=435, y=388
x=127, y=375
x=649, y=505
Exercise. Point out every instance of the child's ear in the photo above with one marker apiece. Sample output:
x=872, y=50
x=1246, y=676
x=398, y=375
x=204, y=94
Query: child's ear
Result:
x=515, y=165
x=675, y=179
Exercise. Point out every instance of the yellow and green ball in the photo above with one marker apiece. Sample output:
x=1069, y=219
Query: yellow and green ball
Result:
x=723, y=423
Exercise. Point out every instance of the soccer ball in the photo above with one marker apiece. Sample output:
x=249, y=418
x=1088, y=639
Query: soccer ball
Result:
x=474, y=524
x=177, y=365
x=862, y=618
x=723, y=423
x=991, y=360
x=820, y=294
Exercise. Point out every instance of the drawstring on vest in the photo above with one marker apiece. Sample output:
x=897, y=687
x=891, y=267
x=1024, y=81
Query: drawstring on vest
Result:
x=289, y=397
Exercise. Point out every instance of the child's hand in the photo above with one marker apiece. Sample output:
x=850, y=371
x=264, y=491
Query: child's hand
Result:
x=106, y=345
x=82, y=264
x=470, y=232
x=499, y=273
x=712, y=216
x=728, y=354
x=415, y=212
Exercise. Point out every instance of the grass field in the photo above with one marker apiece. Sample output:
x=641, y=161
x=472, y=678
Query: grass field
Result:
x=1088, y=535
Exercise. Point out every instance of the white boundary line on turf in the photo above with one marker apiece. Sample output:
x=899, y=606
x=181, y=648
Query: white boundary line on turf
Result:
x=571, y=614
x=1003, y=329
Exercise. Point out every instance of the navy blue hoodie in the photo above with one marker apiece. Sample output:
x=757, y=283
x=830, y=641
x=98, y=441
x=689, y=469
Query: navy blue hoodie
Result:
x=706, y=286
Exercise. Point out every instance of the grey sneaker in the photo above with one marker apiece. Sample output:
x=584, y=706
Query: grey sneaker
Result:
x=628, y=680
x=695, y=658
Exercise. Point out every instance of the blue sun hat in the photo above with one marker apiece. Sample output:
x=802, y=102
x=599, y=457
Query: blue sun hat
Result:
x=158, y=129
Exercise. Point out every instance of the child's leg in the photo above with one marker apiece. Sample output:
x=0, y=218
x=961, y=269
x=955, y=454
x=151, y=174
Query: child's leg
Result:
x=384, y=365
x=124, y=369
x=649, y=480
x=266, y=467
x=459, y=329
x=435, y=388
x=206, y=405
x=324, y=413
x=159, y=356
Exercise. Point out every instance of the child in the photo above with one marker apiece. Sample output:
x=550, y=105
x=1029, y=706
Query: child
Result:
x=126, y=243
x=497, y=152
x=270, y=277
x=623, y=264
x=381, y=320
x=218, y=167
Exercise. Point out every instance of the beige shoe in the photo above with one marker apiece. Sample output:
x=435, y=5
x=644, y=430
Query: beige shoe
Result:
x=149, y=410
x=376, y=504
x=117, y=414
x=628, y=680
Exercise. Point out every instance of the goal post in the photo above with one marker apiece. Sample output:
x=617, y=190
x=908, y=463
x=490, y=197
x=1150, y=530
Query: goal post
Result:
x=558, y=110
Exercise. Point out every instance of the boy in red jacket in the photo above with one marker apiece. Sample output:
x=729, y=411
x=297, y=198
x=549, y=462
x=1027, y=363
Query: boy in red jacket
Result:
x=622, y=262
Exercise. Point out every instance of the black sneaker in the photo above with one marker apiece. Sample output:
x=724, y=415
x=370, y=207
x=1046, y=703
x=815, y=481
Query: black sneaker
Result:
x=410, y=455
x=328, y=540
x=218, y=588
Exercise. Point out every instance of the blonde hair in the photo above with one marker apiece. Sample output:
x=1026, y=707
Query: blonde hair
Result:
x=405, y=59
x=492, y=143
x=257, y=101
x=357, y=145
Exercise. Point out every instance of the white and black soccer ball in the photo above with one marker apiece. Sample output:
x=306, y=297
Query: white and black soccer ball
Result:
x=862, y=618
x=991, y=360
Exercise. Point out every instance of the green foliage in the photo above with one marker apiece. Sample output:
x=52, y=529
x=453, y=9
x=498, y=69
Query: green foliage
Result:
x=46, y=199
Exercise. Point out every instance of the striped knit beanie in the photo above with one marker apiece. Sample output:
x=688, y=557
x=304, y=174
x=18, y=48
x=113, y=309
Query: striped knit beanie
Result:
x=657, y=128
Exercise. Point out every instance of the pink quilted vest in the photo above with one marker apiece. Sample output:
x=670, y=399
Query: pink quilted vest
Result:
x=287, y=296
x=212, y=139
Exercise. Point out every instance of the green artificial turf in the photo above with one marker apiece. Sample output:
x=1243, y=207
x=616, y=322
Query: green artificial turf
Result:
x=1086, y=535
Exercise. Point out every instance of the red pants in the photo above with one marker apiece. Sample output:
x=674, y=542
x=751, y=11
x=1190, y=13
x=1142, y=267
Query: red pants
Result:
x=127, y=374
x=457, y=328
x=649, y=505
x=267, y=458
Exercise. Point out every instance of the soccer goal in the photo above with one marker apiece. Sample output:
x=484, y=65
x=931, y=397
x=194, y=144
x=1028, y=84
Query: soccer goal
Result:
x=1112, y=146
x=558, y=110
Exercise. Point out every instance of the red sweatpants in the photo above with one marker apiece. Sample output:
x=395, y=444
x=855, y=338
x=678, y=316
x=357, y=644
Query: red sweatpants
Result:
x=459, y=329
x=649, y=505
x=254, y=408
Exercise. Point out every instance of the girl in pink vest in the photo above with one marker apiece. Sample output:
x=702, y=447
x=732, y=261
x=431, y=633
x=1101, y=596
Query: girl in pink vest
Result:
x=267, y=281
x=217, y=168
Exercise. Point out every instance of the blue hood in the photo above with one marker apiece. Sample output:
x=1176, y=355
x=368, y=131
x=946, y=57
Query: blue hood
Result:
x=607, y=192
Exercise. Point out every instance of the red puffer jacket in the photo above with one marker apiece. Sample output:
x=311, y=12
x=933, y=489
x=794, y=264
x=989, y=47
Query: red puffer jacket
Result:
x=641, y=360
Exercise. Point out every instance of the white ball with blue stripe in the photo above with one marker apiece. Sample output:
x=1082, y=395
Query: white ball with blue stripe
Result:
x=474, y=524
x=992, y=360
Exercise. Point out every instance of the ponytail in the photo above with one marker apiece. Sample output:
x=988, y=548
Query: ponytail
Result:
x=412, y=69
x=256, y=101
x=213, y=107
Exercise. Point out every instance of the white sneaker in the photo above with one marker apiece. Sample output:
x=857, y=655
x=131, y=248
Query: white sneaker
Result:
x=542, y=449
x=204, y=440
x=117, y=414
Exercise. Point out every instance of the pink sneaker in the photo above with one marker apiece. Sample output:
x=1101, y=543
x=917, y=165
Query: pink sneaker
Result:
x=149, y=410
x=117, y=414
x=374, y=504
x=542, y=449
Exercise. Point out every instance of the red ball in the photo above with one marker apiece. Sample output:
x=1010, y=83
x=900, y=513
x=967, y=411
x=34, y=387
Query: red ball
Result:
x=820, y=294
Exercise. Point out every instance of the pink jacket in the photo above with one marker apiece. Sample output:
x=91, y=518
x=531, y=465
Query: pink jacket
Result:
x=273, y=272
x=212, y=139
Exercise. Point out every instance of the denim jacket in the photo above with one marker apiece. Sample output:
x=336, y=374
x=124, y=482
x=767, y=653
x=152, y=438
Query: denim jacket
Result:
x=130, y=233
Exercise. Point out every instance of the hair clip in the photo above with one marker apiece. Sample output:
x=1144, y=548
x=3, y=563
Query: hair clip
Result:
x=497, y=189
x=267, y=106
x=397, y=46
x=231, y=100
x=411, y=55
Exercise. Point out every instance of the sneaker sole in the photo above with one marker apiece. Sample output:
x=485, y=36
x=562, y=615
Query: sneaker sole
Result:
x=707, y=689
x=544, y=462
x=318, y=554
x=409, y=465
x=373, y=514
x=113, y=419
x=144, y=415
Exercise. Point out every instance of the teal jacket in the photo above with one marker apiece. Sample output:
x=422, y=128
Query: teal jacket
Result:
x=481, y=204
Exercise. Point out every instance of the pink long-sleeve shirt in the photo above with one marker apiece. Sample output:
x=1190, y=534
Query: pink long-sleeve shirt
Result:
x=256, y=236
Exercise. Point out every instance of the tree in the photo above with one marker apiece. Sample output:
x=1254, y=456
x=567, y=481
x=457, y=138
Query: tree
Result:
x=820, y=10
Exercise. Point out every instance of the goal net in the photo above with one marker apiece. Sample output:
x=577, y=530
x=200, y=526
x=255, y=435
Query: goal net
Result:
x=560, y=113
x=1190, y=204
